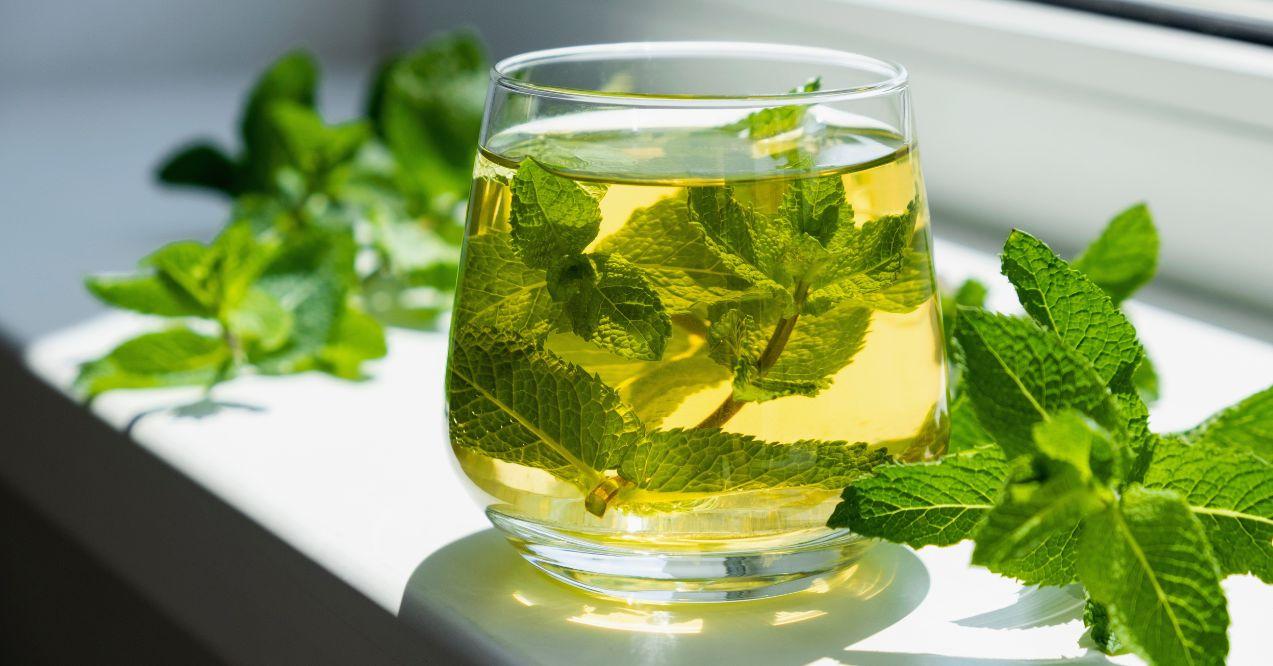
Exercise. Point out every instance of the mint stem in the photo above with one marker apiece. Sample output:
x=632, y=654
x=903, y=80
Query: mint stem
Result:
x=773, y=349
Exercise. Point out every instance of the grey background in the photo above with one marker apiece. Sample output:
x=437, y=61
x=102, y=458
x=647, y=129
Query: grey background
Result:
x=94, y=93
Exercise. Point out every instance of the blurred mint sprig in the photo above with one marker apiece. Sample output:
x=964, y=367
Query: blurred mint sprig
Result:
x=333, y=230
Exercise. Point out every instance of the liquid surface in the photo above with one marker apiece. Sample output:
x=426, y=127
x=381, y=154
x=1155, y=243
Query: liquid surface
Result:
x=692, y=338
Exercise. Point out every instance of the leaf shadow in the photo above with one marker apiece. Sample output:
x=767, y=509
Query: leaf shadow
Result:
x=507, y=604
x=202, y=408
x=1034, y=607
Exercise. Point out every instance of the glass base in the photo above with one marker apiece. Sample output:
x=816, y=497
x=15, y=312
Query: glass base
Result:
x=642, y=575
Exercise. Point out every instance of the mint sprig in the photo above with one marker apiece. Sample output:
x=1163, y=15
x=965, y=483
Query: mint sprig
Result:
x=1056, y=477
x=279, y=289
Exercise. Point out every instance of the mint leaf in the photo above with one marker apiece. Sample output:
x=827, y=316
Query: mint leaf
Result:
x=912, y=287
x=1231, y=493
x=705, y=460
x=1096, y=618
x=312, y=147
x=189, y=264
x=148, y=294
x=201, y=165
x=771, y=122
x=1019, y=374
x=552, y=217
x=965, y=432
x=1147, y=560
x=608, y=301
x=514, y=401
x=1065, y=301
x=355, y=338
x=501, y=292
x=1031, y=534
x=175, y=357
x=818, y=347
x=922, y=504
x=1145, y=379
x=1125, y=256
x=259, y=320
x=728, y=223
x=675, y=256
x=653, y=389
x=817, y=206
x=1248, y=424
x=868, y=259
x=427, y=107
x=292, y=78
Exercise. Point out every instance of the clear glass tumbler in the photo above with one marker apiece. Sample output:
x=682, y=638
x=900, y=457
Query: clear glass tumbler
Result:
x=696, y=302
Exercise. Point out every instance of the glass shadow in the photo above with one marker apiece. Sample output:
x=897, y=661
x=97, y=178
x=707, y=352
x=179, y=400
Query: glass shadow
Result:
x=524, y=612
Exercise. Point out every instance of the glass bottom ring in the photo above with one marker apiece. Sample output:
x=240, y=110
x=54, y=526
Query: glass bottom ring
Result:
x=645, y=576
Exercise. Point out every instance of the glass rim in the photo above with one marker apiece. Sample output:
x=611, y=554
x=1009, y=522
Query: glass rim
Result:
x=894, y=75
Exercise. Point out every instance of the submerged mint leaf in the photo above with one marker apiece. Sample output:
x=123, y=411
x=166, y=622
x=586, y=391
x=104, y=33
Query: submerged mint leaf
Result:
x=726, y=221
x=817, y=348
x=1125, y=256
x=1147, y=560
x=705, y=460
x=676, y=257
x=1230, y=490
x=175, y=357
x=868, y=259
x=817, y=206
x=552, y=217
x=608, y=301
x=514, y=401
x=1019, y=374
x=1248, y=424
x=1065, y=301
x=499, y=291
x=929, y=503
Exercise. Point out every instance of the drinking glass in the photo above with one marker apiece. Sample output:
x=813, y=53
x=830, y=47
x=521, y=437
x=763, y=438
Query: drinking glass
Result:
x=696, y=302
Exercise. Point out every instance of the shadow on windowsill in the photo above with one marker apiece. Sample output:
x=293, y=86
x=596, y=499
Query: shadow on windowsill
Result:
x=483, y=580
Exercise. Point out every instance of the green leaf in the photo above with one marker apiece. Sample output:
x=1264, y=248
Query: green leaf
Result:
x=1231, y=493
x=201, y=165
x=428, y=110
x=292, y=78
x=817, y=206
x=654, y=389
x=728, y=223
x=1147, y=560
x=706, y=460
x=868, y=259
x=260, y=320
x=1019, y=374
x=552, y=217
x=675, y=256
x=965, y=432
x=771, y=122
x=501, y=292
x=912, y=288
x=1096, y=618
x=514, y=401
x=1125, y=256
x=929, y=503
x=818, y=347
x=311, y=146
x=188, y=264
x=1065, y=301
x=1145, y=379
x=309, y=277
x=175, y=357
x=1032, y=533
x=356, y=338
x=149, y=294
x=609, y=302
x=1248, y=424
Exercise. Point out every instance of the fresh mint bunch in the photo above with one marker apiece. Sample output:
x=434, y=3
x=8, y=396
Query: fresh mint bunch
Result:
x=328, y=224
x=1055, y=475
x=276, y=304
